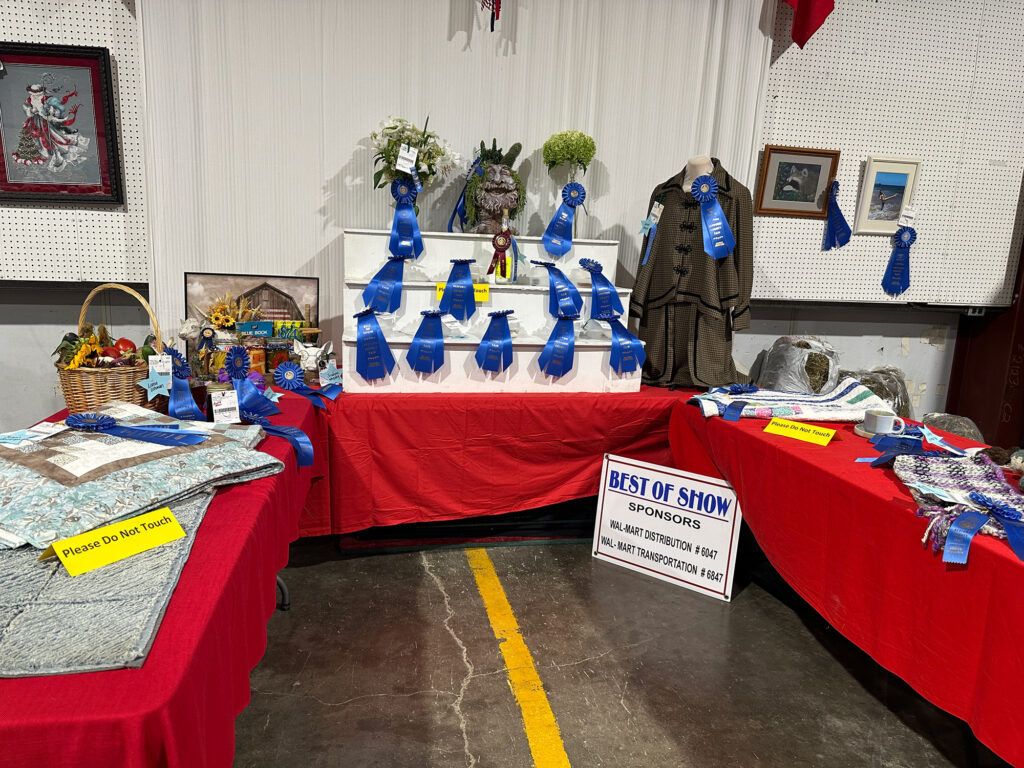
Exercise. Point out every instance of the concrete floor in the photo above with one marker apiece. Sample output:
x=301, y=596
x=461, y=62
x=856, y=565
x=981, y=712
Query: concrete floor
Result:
x=390, y=660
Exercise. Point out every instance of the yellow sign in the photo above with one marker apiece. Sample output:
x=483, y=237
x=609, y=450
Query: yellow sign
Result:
x=106, y=545
x=809, y=433
x=481, y=291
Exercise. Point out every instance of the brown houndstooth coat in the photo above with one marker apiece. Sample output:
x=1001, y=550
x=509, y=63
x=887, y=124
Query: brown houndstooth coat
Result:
x=688, y=303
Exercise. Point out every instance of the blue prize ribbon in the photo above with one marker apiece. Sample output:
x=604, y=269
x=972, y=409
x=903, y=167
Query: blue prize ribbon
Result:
x=650, y=243
x=298, y=439
x=557, y=237
x=495, y=351
x=373, y=355
x=384, y=291
x=604, y=299
x=426, y=352
x=236, y=361
x=207, y=338
x=515, y=260
x=458, y=299
x=718, y=238
x=563, y=298
x=1009, y=517
x=460, y=206
x=181, y=404
x=897, y=274
x=961, y=534
x=557, y=356
x=289, y=376
x=627, y=350
x=734, y=411
x=96, y=422
x=405, y=230
x=837, y=231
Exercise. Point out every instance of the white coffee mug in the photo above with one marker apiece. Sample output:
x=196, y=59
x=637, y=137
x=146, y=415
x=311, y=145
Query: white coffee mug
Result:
x=883, y=422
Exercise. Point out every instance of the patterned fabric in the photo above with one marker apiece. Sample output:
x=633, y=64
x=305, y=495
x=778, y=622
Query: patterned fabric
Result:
x=67, y=483
x=847, y=402
x=942, y=485
x=683, y=297
x=53, y=624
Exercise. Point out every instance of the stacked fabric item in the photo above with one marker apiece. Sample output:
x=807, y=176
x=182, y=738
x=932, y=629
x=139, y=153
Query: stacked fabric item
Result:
x=847, y=402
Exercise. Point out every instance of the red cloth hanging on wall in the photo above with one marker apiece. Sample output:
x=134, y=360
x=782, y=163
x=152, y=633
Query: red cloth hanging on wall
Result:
x=808, y=15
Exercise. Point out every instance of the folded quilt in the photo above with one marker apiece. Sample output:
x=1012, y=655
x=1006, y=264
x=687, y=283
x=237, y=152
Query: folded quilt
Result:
x=74, y=481
x=847, y=402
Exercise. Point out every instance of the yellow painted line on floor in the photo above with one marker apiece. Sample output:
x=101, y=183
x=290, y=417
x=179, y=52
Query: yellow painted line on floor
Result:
x=538, y=719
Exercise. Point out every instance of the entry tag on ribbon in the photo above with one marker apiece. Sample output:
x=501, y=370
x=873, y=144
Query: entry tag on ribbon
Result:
x=907, y=217
x=808, y=433
x=655, y=214
x=160, y=365
x=103, y=546
x=46, y=429
x=225, y=407
x=406, y=162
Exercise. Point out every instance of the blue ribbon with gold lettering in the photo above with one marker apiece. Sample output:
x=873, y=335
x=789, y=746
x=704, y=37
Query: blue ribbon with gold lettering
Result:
x=180, y=403
x=563, y=298
x=426, y=352
x=627, y=350
x=373, y=355
x=557, y=356
x=458, y=299
x=897, y=273
x=557, y=237
x=495, y=350
x=236, y=361
x=837, y=231
x=718, y=238
x=98, y=422
x=298, y=439
x=405, y=230
x=604, y=299
x=384, y=291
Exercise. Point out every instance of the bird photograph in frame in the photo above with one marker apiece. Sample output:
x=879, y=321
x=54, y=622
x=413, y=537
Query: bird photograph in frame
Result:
x=795, y=181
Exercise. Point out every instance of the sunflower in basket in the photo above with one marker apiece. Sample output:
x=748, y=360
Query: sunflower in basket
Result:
x=89, y=347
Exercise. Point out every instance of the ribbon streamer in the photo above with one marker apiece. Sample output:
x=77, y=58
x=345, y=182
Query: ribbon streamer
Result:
x=557, y=237
x=961, y=534
x=627, y=350
x=460, y=206
x=718, y=238
x=289, y=376
x=181, y=404
x=405, y=230
x=97, y=422
x=557, y=356
x=299, y=440
x=373, y=356
x=1009, y=517
x=236, y=361
x=837, y=231
x=604, y=299
x=458, y=299
x=501, y=242
x=897, y=274
x=650, y=243
x=426, y=353
x=563, y=298
x=495, y=351
x=384, y=291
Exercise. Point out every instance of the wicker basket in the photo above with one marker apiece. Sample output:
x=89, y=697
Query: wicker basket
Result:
x=86, y=389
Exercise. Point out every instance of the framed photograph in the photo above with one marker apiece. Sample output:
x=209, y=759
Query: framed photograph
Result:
x=58, y=133
x=795, y=181
x=887, y=190
x=277, y=298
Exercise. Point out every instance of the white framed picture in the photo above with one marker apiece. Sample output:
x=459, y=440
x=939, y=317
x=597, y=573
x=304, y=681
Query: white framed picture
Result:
x=888, y=188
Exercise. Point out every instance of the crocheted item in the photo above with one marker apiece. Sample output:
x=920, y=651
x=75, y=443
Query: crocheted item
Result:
x=942, y=487
x=847, y=402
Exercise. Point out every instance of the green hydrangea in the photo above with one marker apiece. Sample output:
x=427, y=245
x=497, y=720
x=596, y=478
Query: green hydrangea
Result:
x=573, y=148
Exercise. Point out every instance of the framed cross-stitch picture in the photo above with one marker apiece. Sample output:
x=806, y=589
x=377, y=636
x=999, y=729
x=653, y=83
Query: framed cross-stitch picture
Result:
x=58, y=132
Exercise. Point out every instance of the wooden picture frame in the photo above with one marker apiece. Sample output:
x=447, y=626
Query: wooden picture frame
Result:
x=795, y=181
x=887, y=189
x=58, y=130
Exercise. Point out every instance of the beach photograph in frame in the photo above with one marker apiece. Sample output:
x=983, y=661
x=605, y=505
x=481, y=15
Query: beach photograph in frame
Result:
x=887, y=189
x=795, y=181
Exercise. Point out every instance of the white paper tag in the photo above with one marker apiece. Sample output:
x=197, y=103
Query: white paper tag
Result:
x=908, y=216
x=160, y=365
x=225, y=407
x=655, y=213
x=46, y=428
x=406, y=159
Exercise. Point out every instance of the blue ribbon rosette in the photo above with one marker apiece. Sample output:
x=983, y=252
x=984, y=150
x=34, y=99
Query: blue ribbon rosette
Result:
x=373, y=355
x=289, y=376
x=405, y=230
x=837, y=231
x=557, y=237
x=207, y=339
x=897, y=274
x=718, y=238
x=426, y=352
x=181, y=404
x=460, y=206
x=384, y=291
x=495, y=350
x=1010, y=519
x=165, y=435
x=604, y=299
x=557, y=356
x=298, y=439
x=458, y=299
x=627, y=350
x=236, y=361
x=563, y=298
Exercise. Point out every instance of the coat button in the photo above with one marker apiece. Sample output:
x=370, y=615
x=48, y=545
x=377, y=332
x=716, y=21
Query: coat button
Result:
x=683, y=271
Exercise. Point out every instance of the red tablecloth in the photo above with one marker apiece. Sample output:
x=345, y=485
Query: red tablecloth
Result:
x=847, y=539
x=179, y=709
x=413, y=458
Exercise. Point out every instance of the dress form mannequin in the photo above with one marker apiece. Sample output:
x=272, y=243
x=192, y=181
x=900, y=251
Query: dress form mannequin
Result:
x=696, y=166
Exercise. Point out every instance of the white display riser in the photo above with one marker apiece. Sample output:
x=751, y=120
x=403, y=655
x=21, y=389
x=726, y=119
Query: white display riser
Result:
x=366, y=251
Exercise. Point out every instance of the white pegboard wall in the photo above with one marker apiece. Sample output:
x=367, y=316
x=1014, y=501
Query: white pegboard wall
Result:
x=924, y=79
x=81, y=241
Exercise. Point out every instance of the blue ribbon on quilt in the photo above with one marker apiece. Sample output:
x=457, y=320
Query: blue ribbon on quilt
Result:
x=557, y=237
x=557, y=356
x=180, y=403
x=563, y=298
x=837, y=231
x=236, y=361
x=98, y=422
x=405, y=230
x=289, y=376
x=604, y=299
x=897, y=273
x=373, y=355
x=458, y=299
x=426, y=352
x=495, y=350
x=384, y=291
x=627, y=350
x=298, y=439
x=718, y=238
x=460, y=206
